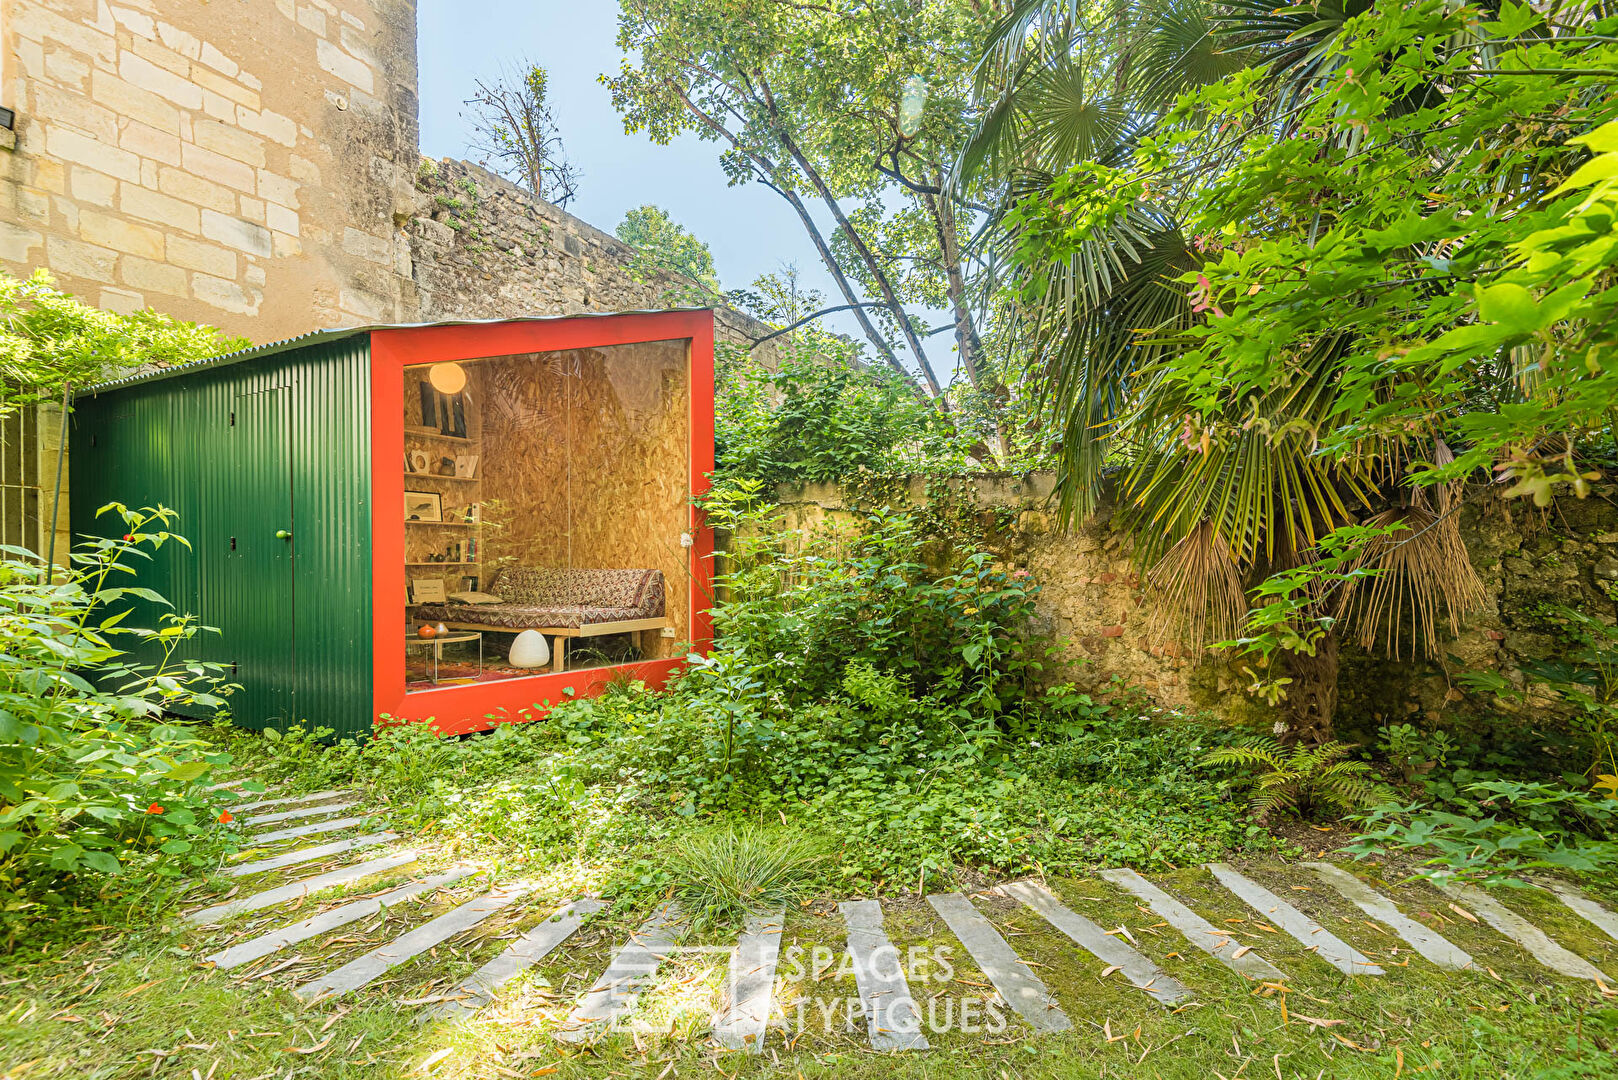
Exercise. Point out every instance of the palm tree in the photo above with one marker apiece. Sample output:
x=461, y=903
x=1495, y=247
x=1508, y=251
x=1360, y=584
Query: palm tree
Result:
x=1067, y=90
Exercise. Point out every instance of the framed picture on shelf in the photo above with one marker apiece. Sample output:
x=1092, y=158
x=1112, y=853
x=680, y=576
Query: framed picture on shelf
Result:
x=427, y=591
x=423, y=506
x=466, y=465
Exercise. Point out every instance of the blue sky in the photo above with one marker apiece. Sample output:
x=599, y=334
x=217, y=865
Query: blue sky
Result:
x=750, y=230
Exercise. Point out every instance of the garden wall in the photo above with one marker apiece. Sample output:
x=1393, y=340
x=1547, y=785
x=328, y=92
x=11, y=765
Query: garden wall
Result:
x=1092, y=602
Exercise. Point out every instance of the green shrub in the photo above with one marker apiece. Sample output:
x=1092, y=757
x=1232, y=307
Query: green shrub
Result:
x=1533, y=826
x=91, y=776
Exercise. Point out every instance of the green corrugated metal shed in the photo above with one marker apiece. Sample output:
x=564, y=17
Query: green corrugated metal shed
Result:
x=272, y=439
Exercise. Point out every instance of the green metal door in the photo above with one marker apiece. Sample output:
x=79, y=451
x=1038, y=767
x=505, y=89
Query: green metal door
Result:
x=259, y=559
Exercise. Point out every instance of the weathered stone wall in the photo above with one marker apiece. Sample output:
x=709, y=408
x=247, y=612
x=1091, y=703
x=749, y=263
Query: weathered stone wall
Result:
x=254, y=166
x=238, y=164
x=1092, y=600
x=481, y=247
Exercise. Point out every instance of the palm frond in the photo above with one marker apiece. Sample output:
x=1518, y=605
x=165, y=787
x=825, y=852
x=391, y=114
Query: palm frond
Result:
x=1423, y=576
x=1199, y=589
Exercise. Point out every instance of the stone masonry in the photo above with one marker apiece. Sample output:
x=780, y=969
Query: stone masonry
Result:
x=1093, y=604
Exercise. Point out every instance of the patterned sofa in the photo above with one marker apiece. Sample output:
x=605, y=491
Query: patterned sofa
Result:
x=561, y=603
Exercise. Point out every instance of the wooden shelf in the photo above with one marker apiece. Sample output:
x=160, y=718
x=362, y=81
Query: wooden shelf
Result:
x=447, y=524
x=440, y=438
x=443, y=564
x=436, y=476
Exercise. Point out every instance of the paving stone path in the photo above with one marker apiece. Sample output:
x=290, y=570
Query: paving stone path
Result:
x=341, y=892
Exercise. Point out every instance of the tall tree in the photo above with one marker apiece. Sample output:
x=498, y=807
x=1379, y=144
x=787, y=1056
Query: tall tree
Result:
x=669, y=245
x=1313, y=297
x=849, y=111
x=516, y=133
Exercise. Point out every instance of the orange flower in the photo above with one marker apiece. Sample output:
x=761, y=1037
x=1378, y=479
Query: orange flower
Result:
x=154, y=809
x=226, y=817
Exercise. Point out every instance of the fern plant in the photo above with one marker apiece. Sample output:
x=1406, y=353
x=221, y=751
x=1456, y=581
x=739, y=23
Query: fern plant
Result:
x=1301, y=779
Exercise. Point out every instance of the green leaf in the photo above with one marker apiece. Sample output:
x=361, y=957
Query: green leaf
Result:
x=103, y=861
x=1512, y=306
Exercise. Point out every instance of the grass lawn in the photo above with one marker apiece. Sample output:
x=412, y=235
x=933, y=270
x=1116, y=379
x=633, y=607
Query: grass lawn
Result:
x=132, y=1000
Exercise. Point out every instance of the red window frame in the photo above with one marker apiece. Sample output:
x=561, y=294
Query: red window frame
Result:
x=479, y=706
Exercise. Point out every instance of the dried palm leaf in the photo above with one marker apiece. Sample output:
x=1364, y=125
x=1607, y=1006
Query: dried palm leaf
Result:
x=1199, y=589
x=1424, y=576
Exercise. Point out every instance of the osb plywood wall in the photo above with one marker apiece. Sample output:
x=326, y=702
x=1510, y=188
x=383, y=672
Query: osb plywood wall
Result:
x=585, y=464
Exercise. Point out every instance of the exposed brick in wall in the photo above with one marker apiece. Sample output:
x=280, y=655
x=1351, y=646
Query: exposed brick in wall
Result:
x=1091, y=600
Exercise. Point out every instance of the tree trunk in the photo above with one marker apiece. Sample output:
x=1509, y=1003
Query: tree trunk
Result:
x=1312, y=698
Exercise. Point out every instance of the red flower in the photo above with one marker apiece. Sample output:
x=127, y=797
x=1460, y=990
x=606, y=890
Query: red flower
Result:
x=226, y=817
x=154, y=809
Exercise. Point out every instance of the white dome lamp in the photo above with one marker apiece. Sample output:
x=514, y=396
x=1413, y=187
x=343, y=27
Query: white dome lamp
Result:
x=529, y=650
x=447, y=378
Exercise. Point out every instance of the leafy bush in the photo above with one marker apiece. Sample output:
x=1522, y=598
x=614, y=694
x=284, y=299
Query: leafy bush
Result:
x=821, y=416
x=49, y=339
x=91, y=777
x=803, y=606
x=1539, y=826
x=1300, y=779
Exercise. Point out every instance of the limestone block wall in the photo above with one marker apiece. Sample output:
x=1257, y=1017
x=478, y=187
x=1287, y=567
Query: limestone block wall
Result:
x=240, y=164
x=1093, y=603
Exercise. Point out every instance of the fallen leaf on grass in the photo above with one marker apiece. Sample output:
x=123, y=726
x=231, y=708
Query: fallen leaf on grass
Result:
x=1108, y=970
x=434, y=1060
x=1316, y=1021
x=315, y=1049
x=1241, y=952
x=1463, y=913
x=133, y=990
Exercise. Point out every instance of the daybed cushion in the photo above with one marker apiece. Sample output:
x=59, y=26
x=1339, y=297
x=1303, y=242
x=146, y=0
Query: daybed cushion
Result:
x=559, y=598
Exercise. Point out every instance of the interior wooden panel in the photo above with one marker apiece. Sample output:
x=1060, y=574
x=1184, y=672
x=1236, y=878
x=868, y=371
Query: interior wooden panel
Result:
x=584, y=463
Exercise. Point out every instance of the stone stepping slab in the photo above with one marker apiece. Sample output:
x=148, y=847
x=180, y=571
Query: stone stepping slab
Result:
x=751, y=984
x=1524, y=933
x=356, y=973
x=297, y=889
x=892, y=1021
x=1216, y=942
x=309, y=830
x=633, y=965
x=310, y=854
x=1314, y=937
x=1018, y=986
x=1140, y=971
x=478, y=988
x=324, y=810
x=275, y=940
x=1586, y=908
x=1435, y=947
x=291, y=800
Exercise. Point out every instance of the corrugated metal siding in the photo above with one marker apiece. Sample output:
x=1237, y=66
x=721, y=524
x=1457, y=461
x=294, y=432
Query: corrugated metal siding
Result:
x=294, y=615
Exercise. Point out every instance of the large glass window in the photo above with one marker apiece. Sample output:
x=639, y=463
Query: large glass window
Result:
x=546, y=507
